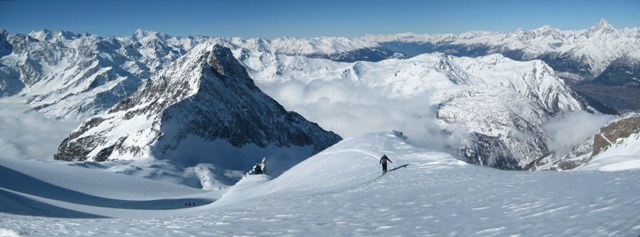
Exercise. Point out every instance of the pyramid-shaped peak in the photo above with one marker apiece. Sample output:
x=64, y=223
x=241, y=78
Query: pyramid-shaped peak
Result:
x=205, y=97
x=224, y=63
x=603, y=24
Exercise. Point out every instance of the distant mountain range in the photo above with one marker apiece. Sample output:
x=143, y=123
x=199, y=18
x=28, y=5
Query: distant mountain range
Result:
x=91, y=73
x=492, y=90
x=597, y=61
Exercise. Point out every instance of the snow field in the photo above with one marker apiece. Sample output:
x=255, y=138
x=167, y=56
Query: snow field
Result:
x=341, y=192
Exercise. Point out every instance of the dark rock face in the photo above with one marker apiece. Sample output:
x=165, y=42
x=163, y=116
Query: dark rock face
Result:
x=206, y=94
x=611, y=133
x=490, y=151
x=623, y=71
x=617, y=87
x=610, y=99
x=565, y=63
x=596, y=104
x=501, y=153
x=242, y=114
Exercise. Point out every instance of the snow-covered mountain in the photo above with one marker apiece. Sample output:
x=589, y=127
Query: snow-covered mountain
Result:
x=601, y=52
x=334, y=48
x=532, y=90
x=491, y=109
x=68, y=75
x=202, y=108
x=64, y=74
x=588, y=52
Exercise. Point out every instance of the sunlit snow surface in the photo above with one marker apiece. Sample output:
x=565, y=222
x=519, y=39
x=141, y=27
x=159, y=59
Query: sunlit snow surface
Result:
x=341, y=192
x=622, y=155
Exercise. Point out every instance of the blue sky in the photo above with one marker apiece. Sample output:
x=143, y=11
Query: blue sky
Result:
x=303, y=18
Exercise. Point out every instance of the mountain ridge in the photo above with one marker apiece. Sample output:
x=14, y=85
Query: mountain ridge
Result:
x=205, y=97
x=580, y=55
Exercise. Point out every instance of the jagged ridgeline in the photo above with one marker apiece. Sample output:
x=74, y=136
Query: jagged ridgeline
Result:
x=202, y=108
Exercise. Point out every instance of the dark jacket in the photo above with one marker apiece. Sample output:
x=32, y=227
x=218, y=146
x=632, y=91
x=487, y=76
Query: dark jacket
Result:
x=384, y=160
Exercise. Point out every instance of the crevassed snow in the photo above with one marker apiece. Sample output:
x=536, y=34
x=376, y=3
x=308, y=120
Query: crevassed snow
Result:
x=341, y=192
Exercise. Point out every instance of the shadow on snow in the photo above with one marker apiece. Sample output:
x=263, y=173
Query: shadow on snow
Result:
x=22, y=183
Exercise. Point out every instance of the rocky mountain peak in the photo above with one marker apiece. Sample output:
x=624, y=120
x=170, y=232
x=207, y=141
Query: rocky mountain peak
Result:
x=224, y=64
x=202, y=108
x=603, y=24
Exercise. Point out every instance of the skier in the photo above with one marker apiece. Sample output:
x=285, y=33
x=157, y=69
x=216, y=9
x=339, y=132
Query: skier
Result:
x=383, y=161
x=263, y=165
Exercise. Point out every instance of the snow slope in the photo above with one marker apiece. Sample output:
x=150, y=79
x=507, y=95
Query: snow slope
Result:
x=617, y=146
x=57, y=189
x=625, y=154
x=341, y=192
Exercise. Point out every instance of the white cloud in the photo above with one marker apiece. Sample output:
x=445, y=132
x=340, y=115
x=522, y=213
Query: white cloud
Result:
x=571, y=129
x=27, y=134
x=350, y=109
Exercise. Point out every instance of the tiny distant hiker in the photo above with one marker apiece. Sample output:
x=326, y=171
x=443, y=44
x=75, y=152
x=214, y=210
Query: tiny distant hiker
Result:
x=383, y=161
x=263, y=165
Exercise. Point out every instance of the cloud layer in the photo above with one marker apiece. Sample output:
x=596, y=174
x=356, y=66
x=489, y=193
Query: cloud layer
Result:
x=349, y=109
x=571, y=129
x=27, y=134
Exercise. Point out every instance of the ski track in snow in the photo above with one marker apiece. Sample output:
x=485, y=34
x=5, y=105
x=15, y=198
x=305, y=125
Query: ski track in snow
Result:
x=341, y=192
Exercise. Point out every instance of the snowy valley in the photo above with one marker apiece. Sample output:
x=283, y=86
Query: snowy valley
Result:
x=151, y=134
